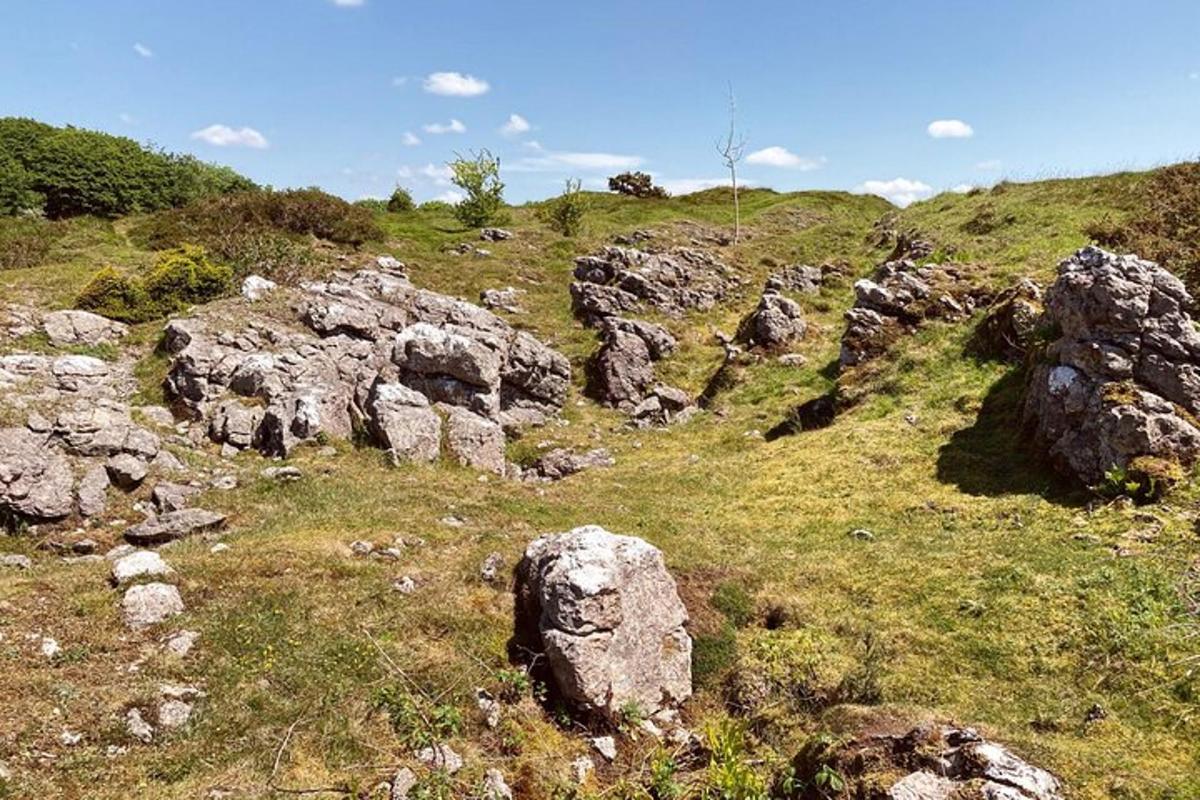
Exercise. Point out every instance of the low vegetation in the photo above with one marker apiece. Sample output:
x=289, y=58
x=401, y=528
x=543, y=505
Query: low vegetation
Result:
x=479, y=178
x=565, y=213
x=181, y=277
x=636, y=184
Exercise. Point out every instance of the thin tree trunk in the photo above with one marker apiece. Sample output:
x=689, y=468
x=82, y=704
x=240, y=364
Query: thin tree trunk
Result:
x=737, y=211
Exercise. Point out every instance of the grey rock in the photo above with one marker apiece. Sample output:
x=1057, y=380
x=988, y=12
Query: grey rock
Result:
x=1010, y=323
x=506, y=299
x=126, y=471
x=1121, y=384
x=489, y=570
x=93, y=491
x=495, y=787
x=149, y=604
x=139, y=564
x=495, y=234
x=562, y=462
x=621, y=371
x=181, y=643
x=605, y=612
x=402, y=422
x=137, y=727
x=173, y=525
x=776, y=321
x=169, y=496
x=74, y=328
x=474, y=441
x=403, y=782
x=625, y=278
x=16, y=561
x=282, y=474
x=256, y=287
x=605, y=746
x=797, y=278
x=36, y=482
x=440, y=757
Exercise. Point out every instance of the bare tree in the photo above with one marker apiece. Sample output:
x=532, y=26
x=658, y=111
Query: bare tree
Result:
x=731, y=148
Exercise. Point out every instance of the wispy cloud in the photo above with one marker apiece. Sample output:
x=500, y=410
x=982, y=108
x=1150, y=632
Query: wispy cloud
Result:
x=451, y=196
x=901, y=191
x=515, y=125
x=453, y=126
x=126, y=117
x=950, y=129
x=1194, y=76
x=782, y=157
x=225, y=136
x=962, y=188
x=438, y=173
x=142, y=50
x=455, y=84
x=349, y=3
x=410, y=139
x=990, y=165
x=399, y=80
x=555, y=161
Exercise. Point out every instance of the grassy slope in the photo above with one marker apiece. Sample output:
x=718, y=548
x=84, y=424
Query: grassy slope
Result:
x=980, y=600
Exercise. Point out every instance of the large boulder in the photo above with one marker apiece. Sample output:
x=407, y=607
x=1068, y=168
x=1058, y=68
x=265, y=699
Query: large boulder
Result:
x=777, y=321
x=75, y=328
x=173, y=525
x=36, y=481
x=621, y=372
x=1119, y=388
x=606, y=614
x=403, y=423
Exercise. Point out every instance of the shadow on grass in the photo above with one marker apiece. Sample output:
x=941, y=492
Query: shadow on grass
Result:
x=993, y=457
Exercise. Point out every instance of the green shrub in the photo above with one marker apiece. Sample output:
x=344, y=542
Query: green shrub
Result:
x=68, y=172
x=479, y=177
x=636, y=184
x=401, y=201
x=436, y=205
x=734, y=602
x=372, y=204
x=179, y=278
x=113, y=294
x=26, y=241
x=565, y=213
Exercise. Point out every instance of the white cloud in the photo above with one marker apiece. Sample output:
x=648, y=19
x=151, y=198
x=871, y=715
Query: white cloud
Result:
x=225, y=136
x=962, y=188
x=438, y=173
x=410, y=139
x=142, y=50
x=1194, y=76
x=404, y=172
x=452, y=197
x=455, y=84
x=349, y=3
x=679, y=186
x=950, y=129
x=901, y=191
x=556, y=161
x=533, y=144
x=453, y=126
x=516, y=125
x=990, y=165
x=782, y=157
x=399, y=80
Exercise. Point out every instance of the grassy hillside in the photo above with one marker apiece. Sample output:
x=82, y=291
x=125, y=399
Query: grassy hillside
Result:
x=986, y=592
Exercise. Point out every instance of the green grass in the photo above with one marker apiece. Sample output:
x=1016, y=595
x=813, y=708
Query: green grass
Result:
x=988, y=594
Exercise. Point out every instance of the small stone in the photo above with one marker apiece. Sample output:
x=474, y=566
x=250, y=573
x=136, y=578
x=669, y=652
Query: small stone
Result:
x=125, y=470
x=282, y=474
x=256, y=287
x=119, y=551
x=174, y=714
x=16, y=561
x=224, y=482
x=792, y=360
x=149, y=604
x=605, y=746
x=862, y=534
x=181, y=642
x=404, y=585
x=453, y=521
x=489, y=571
x=362, y=548
x=174, y=525
x=219, y=547
x=50, y=647
x=70, y=738
x=139, y=564
x=488, y=706
x=441, y=757
x=403, y=782
x=582, y=768
x=495, y=787
x=137, y=727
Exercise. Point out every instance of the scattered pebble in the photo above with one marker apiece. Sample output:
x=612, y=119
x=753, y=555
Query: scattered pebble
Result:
x=441, y=756
x=404, y=585
x=50, y=647
x=16, y=561
x=581, y=768
x=137, y=727
x=181, y=642
x=605, y=746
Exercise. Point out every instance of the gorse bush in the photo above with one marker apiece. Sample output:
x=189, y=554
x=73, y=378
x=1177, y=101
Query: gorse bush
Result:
x=26, y=241
x=636, y=184
x=400, y=201
x=479, y=177
x=66, y=172
x=565, y=213
x=263, y=231
x=179, y=278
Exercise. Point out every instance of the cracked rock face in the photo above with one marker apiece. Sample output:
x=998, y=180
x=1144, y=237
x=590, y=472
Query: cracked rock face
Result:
x=359, y=339
x=1120, y=386
x=621, y=279
x=69, y=327
x=36, y=481
x=1007, y=331
x=895, y=301
x=942, y=763
x=776, y=321
x=605, y=612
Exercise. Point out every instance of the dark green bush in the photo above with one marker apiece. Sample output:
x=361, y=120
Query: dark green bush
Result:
x=68, y=172
x=372, y=204
x=179, y=278
x=636, y=184
x=400, y=201
x=565, y=213
x=479, y=177
x=26, y=241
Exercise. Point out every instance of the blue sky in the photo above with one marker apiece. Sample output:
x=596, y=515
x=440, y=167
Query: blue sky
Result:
x=357, y=95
